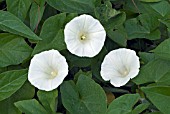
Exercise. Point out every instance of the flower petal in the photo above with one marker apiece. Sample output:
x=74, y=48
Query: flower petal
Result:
x=41, y=67
x=119, y=66
x=133, y=73
x=93, y=32
x=58, y=80
x=92, y=25
x=119, y=81
x=42, y=84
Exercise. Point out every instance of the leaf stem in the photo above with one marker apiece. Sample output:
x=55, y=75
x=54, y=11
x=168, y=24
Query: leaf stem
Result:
x=136, y=6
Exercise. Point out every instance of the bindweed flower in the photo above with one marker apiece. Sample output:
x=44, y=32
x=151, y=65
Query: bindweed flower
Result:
x=84, y=36
x=47, y=70
x=119, y=66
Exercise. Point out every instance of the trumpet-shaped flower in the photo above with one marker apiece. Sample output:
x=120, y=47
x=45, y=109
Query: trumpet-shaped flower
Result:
x=84, y=36
x=119, y=66
x=47, y=70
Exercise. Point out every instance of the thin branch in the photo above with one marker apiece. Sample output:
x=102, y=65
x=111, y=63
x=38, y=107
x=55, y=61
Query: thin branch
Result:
x=136, y=6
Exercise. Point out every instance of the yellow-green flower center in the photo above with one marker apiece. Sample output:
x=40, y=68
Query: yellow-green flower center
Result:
x=53, y=74
x=125, y=73
x=82, y=37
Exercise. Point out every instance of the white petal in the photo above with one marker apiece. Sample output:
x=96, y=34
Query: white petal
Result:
x=59, y=79
x=72, y=45
x=72, y=26
x=97, y=41
x=92, y=29
x=42, y=65
x=42, y=84
x=70, y=35
x=98, y=36
x=59, y=62
x=108, y=70
x=133, y=61
x=35, y=75
x=133, y=73
x=119, y=81
x=113, y=61
x=120, y=65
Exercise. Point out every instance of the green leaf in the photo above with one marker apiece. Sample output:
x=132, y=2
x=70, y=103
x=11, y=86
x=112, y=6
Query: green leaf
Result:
x=38, y=2
x=86, y=97
x=130, y=7
x=135, y=30
x=36, y=13
x=105, y=11
x=147, y=57
x=114, y=22
x=123, y=104
x=96, y=64
x=13, y=49
x=18, y=7
x=140, y=108
x=139, y=7
x=10, y=23
x=157, y=112
x=162, y=50
x=10, y=82
x=154, y=35
x=76, y=76
x=48, y=100
x=3, y=69
x=76, y=61
x=150, y=0
x=149, y=22
x=159, y=96
x=30, y=107
x=70, y=16
x=163, y=7
x=27, y=91
x=119, y=36
x=52, y=34
x=144, y=26
x=73, y=6
x=168, y=32
x=166, y=22
x=152, y=72
x=164, y=80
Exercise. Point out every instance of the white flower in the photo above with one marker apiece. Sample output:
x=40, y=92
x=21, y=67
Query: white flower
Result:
x=47, y=70
x=119, y=66
x=84, y=36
